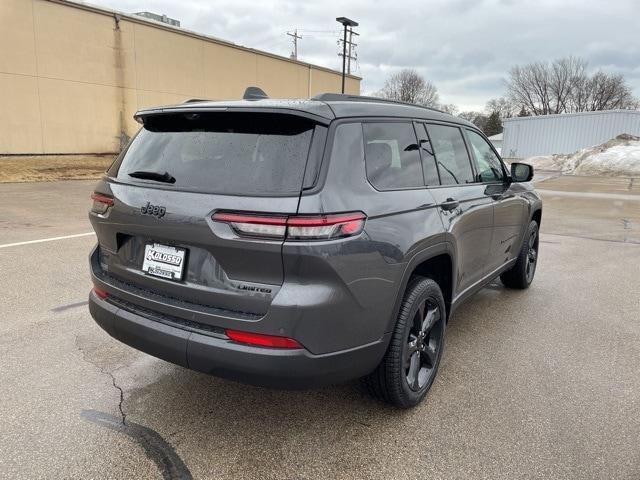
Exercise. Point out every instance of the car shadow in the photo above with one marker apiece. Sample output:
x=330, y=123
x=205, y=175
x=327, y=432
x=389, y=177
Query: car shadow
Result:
x=210, y=420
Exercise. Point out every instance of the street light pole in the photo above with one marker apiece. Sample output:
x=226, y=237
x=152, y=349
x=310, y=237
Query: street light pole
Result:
x=347, y=23
x=344, y=54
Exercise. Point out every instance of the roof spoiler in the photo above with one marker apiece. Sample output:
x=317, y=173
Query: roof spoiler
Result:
x=254, y=93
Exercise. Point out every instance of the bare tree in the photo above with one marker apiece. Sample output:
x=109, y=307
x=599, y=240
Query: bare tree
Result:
x=563, y=86
x=502, y=105
x=566, y=74
x=544, y=88
x=609, y=91
x=581, y=95
x=469, y=116
x=477, y=118
x=528, y=86
x=449, y=108
x=409, y=86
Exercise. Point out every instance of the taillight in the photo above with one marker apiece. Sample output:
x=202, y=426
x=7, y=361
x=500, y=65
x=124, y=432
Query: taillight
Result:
x=325, y=227
x=101, y=203
x=254, y=225
x=313, y=227
x=260, y=340
x=100, y=293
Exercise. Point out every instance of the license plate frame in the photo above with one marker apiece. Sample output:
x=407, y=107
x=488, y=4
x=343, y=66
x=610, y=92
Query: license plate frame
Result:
x=164, y=261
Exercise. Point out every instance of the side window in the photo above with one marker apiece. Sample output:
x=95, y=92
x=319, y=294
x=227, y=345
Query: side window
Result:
x=391, y=155
x=428, y=159
x=488, y=163
x=451, y=155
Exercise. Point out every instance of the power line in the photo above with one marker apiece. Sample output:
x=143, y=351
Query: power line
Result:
x=268, y=41
x=334, y=32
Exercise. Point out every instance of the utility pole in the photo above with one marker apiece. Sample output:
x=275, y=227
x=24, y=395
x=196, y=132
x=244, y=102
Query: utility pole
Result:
x=351, y=45
x=346, y=22
x=295, y=36
x=351, y=55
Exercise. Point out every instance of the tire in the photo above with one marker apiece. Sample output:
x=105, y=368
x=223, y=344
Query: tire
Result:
x=410, y=364
x=521, y=274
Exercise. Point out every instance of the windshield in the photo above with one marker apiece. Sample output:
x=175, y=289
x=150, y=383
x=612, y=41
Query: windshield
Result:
x=227, y=153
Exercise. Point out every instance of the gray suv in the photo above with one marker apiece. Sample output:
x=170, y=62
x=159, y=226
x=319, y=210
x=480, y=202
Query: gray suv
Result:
x=294, y=243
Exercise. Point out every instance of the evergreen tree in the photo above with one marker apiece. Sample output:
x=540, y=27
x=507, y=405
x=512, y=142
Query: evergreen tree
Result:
x=524, y=112
x=493, y=125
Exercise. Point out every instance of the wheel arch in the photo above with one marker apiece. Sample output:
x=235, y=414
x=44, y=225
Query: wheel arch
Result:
x=436, y=262
x=536, y=216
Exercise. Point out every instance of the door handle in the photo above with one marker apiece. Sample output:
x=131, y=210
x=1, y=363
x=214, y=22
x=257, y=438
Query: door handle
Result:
x=449, y=204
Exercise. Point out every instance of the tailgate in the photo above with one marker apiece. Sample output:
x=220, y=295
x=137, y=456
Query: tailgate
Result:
x=176, y=173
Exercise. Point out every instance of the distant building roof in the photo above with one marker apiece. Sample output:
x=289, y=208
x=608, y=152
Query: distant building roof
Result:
x=568, y=116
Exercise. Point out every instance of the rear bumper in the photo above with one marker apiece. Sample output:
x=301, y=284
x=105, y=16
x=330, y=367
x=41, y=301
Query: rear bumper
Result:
x=214, y=354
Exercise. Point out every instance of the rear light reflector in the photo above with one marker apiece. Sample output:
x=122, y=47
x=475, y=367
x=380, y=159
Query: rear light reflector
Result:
x=101, y=203
x=259, y=340
x=100, y=293
x=316, y=227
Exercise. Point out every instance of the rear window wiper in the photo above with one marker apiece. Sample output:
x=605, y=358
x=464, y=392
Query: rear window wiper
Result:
x=165, y=177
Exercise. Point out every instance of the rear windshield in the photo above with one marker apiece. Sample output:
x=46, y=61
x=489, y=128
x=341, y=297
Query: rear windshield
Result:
x=227, y=153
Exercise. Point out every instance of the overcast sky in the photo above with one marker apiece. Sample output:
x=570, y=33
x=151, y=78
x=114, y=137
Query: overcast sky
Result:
x=465, y=47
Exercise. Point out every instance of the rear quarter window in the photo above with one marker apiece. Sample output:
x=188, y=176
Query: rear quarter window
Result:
x=391, y=155
x=226, y=153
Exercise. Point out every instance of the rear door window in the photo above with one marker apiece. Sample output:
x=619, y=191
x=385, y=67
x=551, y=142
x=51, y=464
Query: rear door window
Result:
x=226, y=153
x=391, y=155
x=488, y=164
x=451, y=154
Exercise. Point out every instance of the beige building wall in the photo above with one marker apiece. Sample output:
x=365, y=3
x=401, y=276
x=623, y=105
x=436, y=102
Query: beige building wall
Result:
x=72, y=76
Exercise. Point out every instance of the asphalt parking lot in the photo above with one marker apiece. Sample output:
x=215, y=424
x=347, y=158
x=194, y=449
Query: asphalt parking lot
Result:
x=543, y=383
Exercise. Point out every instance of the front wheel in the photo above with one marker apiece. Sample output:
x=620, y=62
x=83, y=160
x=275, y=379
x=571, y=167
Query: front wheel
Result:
x=521, y=274
x=409, y=367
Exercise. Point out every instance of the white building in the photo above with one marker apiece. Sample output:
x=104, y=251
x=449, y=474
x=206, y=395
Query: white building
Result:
x=565, y=133
x=496, y=140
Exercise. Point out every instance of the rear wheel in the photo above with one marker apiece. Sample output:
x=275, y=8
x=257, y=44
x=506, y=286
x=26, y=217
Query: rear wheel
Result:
x=522, y=273
x=409, y=367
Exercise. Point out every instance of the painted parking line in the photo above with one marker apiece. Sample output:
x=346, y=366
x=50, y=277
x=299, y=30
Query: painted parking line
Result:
x=43, y=240
x=604, y=196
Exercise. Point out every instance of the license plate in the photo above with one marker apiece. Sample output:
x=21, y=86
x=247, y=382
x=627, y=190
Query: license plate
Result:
x=163, y=261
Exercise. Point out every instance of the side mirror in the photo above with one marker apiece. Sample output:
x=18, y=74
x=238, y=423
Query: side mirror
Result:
x=521, y=172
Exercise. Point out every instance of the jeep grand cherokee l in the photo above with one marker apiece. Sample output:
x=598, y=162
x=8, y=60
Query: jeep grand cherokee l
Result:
x=298, y=243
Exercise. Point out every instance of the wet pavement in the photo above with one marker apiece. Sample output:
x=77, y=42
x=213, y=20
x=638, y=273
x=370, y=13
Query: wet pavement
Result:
x=542, y=383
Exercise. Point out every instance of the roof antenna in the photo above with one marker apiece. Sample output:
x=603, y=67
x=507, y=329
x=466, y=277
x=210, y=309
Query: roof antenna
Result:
x=254, y=93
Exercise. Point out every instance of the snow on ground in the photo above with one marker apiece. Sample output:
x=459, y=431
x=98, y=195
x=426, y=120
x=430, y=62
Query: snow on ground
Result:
x=618, y=157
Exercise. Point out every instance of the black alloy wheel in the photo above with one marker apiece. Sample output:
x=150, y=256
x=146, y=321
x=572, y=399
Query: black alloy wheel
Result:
x=522, y=273
x=410, y=364
x=532, y=255
x=423, y=345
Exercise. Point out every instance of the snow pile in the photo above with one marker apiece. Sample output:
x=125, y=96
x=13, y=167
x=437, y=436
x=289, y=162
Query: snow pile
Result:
x=617, y=157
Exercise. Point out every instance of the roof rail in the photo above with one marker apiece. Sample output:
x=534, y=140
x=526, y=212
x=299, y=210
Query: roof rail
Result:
x=342, y=97
x=194, y=100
